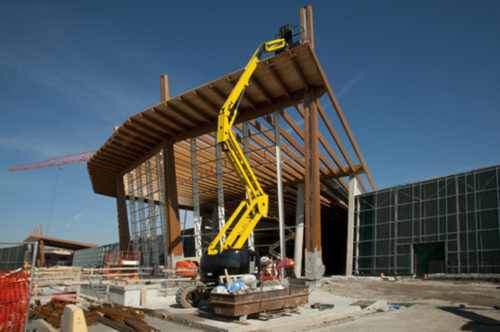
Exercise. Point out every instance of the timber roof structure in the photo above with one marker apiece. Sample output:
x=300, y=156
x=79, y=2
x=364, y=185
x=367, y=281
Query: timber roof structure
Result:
x=279, y=82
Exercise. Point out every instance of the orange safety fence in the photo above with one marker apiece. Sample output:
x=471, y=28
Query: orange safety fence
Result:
x=14, y=299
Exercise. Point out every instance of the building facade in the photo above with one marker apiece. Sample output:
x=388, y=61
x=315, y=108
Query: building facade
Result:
x=449, y=224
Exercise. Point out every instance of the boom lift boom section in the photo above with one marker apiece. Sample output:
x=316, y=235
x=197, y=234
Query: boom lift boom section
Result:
x=255, y=205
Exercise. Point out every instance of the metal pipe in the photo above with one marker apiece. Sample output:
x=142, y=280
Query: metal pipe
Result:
x=196, y=199
x=281, y=208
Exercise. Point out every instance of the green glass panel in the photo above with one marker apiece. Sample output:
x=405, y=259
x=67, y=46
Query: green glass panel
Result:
x=404, y=228
x=366, y=233
x=366, y=217
x=488, y=219
x=404, y=212
x=452, y=205
x=405, y=195
x=430, y=208
x=486, y=180
x=429, y=190
x=442, y=225
x=489, y=239
x=431, y=226
x=487, y=200
x=450, y=186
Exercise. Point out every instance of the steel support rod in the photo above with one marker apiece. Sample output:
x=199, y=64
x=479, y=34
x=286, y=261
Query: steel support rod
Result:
x=221, y=217
x=281, y=208
x=246, y=152
x=196, y=199
x=161, y=202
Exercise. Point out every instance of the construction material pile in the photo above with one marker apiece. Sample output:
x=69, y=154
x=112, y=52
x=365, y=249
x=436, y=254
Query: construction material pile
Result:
x=113, y=315
x=14, y=297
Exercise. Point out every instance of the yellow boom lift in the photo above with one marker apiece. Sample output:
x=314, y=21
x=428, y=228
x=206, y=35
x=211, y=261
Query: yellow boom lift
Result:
x=228, y=255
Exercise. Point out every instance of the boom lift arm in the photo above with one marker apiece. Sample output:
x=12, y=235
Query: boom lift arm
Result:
x=255, y=205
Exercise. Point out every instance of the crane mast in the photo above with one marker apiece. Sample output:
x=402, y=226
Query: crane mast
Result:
x=255, y=205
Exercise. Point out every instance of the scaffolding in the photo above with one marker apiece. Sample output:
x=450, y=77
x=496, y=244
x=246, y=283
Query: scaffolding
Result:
x=459, y=212
x=145, y=188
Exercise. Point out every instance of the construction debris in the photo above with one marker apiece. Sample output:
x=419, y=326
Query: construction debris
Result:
x=116, y=316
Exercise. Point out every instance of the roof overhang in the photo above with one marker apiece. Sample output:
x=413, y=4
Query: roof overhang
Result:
x=279, y=81
x=59, y=243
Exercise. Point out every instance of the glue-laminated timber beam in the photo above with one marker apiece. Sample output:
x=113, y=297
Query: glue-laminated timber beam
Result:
x=118, y=145
x=322, y=140
x=291, y=154
x=258, y=84
x=277, y=79
x=259, y=146
x=149, y=126
x=206, y=101
x=294, y=143
x=157, y=121
x=245, y=114
x=118, y=157
x=198, y=109
x=297, y=165
x=249, y=101
x=339, y=143
x=148, y=133
x=342, y=119
x=298, y=70
x=199, y=118
x=289, y=138
x=142, y=140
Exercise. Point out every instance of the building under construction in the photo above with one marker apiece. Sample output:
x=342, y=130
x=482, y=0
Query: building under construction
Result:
x=166, y=158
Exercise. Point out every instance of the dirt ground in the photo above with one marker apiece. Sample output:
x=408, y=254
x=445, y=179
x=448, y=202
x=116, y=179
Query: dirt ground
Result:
x=423, y=305
x=415, y=290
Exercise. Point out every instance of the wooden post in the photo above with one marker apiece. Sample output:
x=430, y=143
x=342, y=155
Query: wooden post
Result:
x=121, y=204
x=174, y=241
x=42, y=254
x=173, y=225
x=165, y=92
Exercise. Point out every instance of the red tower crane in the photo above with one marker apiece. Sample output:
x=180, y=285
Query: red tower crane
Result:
x=57, y=161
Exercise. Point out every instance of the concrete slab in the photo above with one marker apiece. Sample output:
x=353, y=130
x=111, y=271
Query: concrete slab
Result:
x=305, y=315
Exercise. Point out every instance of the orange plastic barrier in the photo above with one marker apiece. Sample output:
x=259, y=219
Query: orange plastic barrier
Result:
x=14, y=298
x=191, y=273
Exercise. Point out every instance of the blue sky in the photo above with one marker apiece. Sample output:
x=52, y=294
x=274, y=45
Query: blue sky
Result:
x=419, y=83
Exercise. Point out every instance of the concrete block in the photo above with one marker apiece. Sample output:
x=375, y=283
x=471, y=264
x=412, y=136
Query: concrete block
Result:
x=73, y=319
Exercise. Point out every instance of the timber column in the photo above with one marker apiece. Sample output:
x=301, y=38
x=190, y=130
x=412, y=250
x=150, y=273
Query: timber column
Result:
x=173, y=226
x=314, y=268
x=121, y=205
